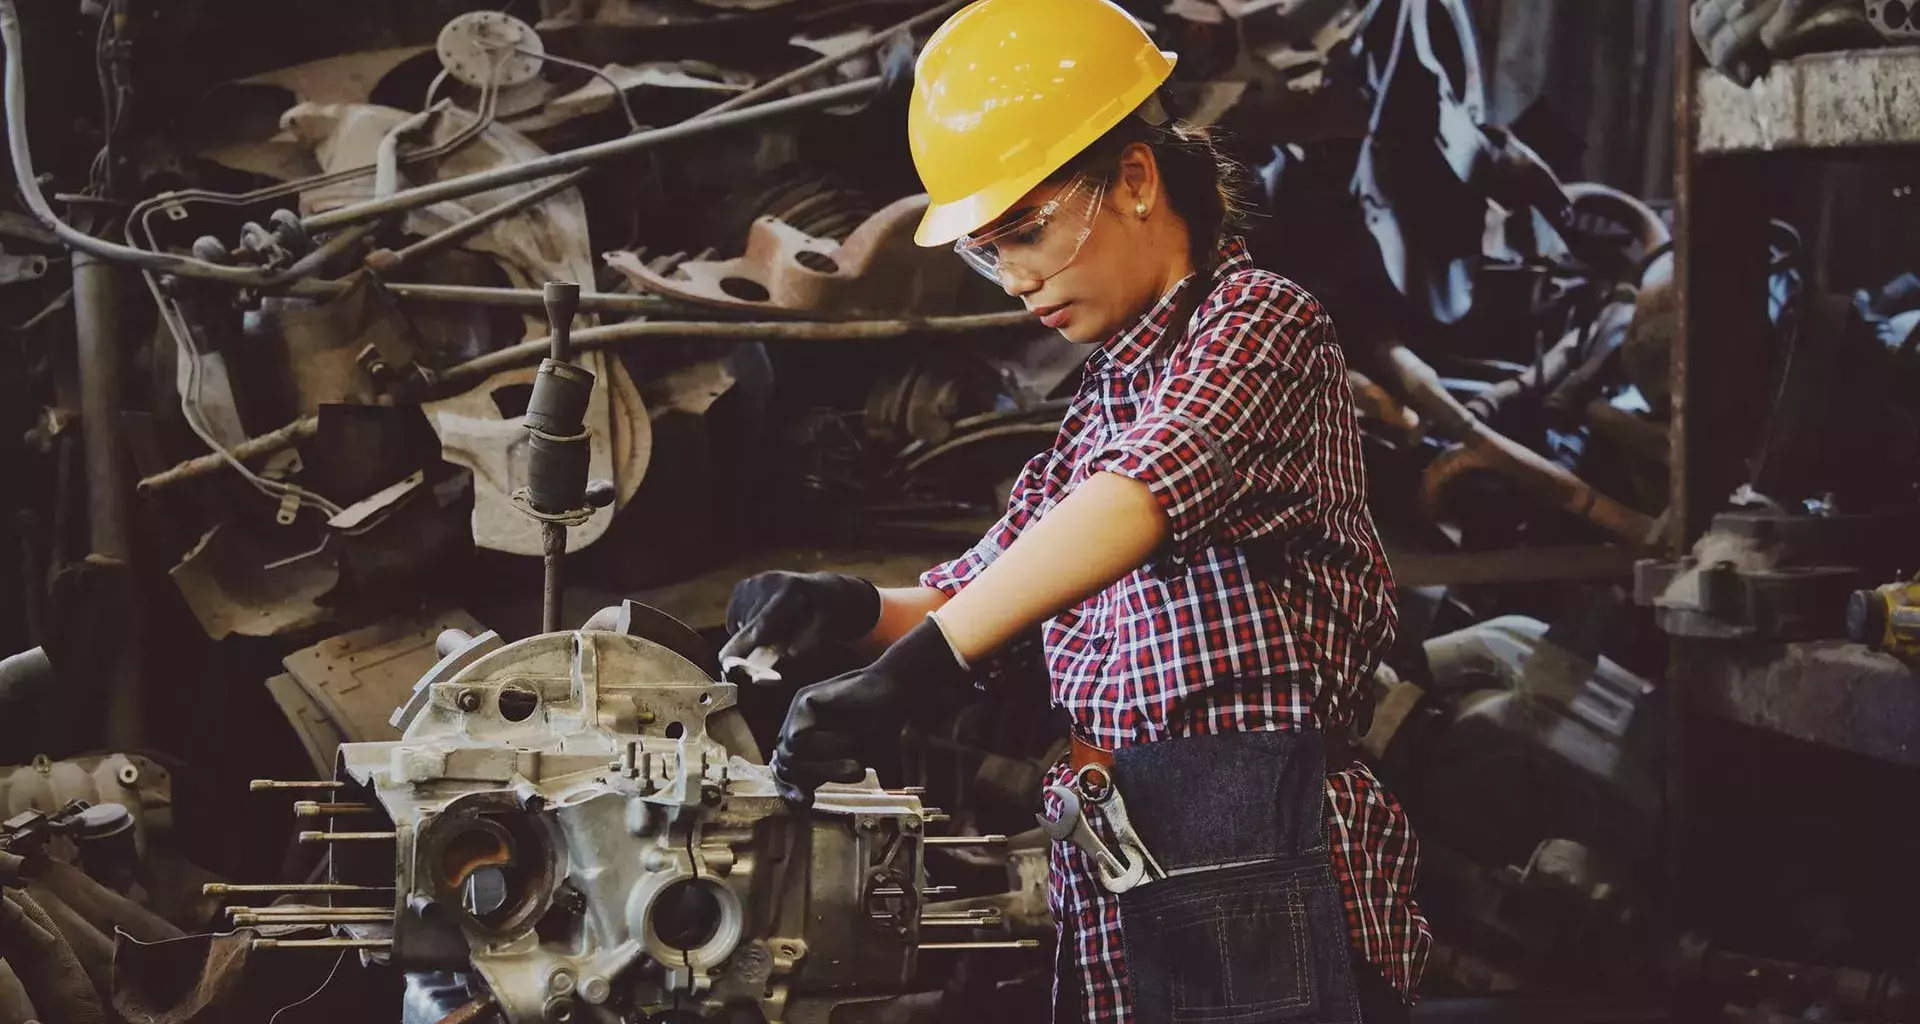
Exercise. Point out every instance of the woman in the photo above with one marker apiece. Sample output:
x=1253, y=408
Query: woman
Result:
x=1196, y=543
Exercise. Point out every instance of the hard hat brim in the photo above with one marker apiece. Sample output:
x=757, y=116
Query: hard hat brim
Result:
x=944, y=223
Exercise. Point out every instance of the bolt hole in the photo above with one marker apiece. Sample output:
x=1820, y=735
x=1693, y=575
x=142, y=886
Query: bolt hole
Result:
x=1895, y=14
x=675, y=730
x=818, y=262
x=517, y=703
x=706, y=698
x=744, y=289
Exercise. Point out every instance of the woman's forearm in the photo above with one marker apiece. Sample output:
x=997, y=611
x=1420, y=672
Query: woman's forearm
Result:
x=1108, y=527
x=901, y=609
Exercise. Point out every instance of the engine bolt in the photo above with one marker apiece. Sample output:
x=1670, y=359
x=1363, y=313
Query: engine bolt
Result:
x=596, y=989
x=560, y=982
x=910, y=823
x=559, y=1010
x=469, y=700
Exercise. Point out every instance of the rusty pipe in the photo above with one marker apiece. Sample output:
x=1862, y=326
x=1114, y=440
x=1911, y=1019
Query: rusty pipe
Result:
x=1484, y=447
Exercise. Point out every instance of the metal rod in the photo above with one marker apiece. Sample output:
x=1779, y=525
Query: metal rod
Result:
x=959, y=921
x=293, y=910
x=387, y=261
x=258, y=785
x=517, y=298
x=236, y=888
x=328, y=944
x=245, y=920
x=989, y=840
x=467, y=1013
x=935, y=817
x=995, y=944
x=931, y=890
x=547, y=166
x=349, y=837
x=473, y=371
x=315, y=809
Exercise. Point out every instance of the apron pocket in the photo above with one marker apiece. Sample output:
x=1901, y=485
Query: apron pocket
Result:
x=1227, y=945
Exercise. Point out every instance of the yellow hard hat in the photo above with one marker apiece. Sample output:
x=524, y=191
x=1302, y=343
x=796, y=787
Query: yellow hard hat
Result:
x=1008, y=91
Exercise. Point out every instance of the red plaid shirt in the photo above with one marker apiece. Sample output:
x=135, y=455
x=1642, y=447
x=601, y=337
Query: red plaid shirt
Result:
x=1243, y=429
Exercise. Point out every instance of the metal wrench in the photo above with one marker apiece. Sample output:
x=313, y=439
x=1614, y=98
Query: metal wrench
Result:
x=1120, y=869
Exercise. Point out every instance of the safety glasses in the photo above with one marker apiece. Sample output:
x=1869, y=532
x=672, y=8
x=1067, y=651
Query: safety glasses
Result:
x=1041, y=242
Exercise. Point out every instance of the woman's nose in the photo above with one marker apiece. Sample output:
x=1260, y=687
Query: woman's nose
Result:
x=1018, y=284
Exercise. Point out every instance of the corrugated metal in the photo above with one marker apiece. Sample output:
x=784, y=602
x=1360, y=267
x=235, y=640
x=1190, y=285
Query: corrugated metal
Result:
x=1606, y=69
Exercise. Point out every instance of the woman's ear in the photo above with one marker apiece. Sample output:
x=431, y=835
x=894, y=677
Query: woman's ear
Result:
x=1138, y=185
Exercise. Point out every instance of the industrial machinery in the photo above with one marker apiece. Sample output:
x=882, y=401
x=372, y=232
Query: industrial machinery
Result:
x=581, y=819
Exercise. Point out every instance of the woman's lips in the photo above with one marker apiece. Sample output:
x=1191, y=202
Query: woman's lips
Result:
x=1054, y=316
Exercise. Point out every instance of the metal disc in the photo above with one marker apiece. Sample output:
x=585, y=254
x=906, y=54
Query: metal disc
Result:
x=470, y=45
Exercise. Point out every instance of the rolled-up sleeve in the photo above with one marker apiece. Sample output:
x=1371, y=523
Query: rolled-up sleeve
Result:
x=1232, y=395
x=1023, y=507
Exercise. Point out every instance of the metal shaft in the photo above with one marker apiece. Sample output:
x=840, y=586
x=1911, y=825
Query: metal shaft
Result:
x=347, y=837
x=999, y=944
x=562, y=299
x=557, y=163
x=375, y=917
x=931, y=890
x=257, y=785
x=990, y=840
x=302, y=888
x=316, y=809
x=292, y=910
x=553, y=550
x=328, y=944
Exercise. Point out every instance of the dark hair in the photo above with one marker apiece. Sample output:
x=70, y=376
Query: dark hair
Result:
x=1203, y=184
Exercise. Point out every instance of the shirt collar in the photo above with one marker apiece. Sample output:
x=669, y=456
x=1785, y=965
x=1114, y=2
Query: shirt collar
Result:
x=1129, y=349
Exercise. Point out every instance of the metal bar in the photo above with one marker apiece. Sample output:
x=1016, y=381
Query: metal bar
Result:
x=326, y=944
x=258, y=785
x=289, y=910
x=931, y=890
x=315, y=809
x=236, y=888
x=347, y=837
x=987, y=840
x=387, y=261
x=473, y=371
x=547, y=166
x=995, y=944
x=372, y=917
x=781, y=82
x=517, y=298
x=1514, y=565
x=962, y=921
x=467, y=1013
x=265, y=444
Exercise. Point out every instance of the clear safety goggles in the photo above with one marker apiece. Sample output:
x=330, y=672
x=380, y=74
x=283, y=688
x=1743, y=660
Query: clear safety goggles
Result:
x=1040, y=242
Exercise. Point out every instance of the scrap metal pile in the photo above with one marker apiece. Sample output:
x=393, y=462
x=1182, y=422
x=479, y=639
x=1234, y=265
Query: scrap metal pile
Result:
x=304, y=305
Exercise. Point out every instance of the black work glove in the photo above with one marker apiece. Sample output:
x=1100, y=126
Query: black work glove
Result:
x=917, y=680
x=798, y=614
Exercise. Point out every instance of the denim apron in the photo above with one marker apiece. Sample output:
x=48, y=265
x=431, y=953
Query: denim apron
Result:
x=1247, y=927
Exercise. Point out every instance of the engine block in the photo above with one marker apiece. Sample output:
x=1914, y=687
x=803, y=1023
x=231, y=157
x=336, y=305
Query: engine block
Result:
x=582, y=819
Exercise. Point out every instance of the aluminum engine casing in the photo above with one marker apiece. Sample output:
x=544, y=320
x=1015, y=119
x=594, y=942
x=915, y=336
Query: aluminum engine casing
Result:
x=649, y=862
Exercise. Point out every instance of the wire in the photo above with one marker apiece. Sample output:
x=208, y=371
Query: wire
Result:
x=337, y=961
x=633, y=123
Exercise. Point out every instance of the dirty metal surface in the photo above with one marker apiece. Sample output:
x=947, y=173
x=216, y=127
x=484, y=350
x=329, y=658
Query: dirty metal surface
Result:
x=356, y=679
x=1820, y=101
x=878, y=272
x=1832, y=693
x=319, y=737
x=234, y=584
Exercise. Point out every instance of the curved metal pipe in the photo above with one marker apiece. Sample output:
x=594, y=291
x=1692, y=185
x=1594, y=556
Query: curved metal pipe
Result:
x=1621, y=208
x=1484, y=447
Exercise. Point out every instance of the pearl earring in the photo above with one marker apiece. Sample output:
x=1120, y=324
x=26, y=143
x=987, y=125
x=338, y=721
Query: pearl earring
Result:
x=1140, y=208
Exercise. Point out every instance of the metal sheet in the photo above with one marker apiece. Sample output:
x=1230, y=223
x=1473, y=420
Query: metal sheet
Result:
x=318, y=735
x=358, y=678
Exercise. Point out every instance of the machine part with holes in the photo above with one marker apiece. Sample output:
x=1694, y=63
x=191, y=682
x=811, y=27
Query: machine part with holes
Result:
x=581, y=821
x=1767, y=575
x=142, y=786
x=486, y=45
x=1895, y=20
x=877, y=272
x=14, y=269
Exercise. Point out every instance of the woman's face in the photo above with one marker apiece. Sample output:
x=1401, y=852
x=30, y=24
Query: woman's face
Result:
x=1131, y=248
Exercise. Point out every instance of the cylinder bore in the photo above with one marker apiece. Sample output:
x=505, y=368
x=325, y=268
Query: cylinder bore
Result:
x=686, y=915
